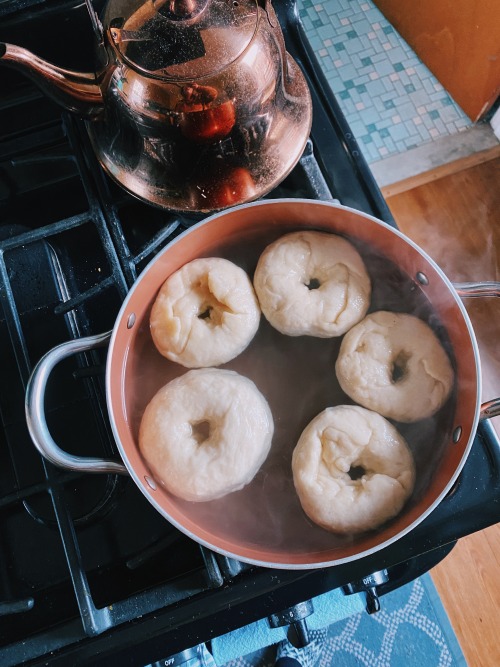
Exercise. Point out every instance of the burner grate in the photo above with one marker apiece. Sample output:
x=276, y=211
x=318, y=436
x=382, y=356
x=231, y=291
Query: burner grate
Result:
x=89, y=260
x=63, y=278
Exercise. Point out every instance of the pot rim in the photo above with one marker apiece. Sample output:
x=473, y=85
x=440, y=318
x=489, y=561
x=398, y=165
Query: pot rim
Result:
x=143, y=485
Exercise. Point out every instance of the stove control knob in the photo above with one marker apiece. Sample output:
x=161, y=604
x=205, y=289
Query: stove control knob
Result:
x=295, y=618
x=188, y=658
x=368, y=585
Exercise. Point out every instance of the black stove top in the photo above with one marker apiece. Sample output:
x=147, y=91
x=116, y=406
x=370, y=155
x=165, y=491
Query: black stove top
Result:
x=89, y=571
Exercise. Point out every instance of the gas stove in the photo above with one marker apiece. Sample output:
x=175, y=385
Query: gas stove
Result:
x=90, y=572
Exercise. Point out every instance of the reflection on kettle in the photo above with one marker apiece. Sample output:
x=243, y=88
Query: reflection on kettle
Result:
x=190, y=91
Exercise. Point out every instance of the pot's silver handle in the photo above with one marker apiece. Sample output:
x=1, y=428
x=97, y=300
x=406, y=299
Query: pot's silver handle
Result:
x=35, y=410
x=490, y=409
x=473, y=290
x=468, y=290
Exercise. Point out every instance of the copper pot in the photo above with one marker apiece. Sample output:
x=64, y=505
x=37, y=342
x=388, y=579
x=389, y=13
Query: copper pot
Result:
x=185, y=88
x=264, y=523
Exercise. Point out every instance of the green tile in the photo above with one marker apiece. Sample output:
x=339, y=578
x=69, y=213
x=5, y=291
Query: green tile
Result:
x=371, y=127
x=388, y=29
x=344, y=94
x=398, y=67
x=389, y=104
x=349, y=84
x=339, y=47
x=434, y=114
x=361, y=88
x=351, y=34
x=384, y=133
x=366, y=61
x=367, y=139
x=410, y=88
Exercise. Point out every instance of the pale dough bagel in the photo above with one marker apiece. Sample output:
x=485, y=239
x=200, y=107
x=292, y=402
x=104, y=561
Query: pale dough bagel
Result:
x=394, y=364
x=312, y=284
x=352, y=470
x=206, y=433
x=205, y=314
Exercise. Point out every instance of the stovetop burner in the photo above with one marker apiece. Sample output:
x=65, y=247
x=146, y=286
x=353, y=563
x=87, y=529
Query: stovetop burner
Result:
x=90, y=572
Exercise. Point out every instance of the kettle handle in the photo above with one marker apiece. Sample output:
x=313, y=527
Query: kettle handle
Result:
x=278, y=34
x=99, y=35
x=35, y=410
x=96, y=24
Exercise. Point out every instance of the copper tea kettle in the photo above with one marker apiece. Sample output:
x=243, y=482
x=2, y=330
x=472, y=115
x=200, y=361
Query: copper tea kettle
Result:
x=197, y=105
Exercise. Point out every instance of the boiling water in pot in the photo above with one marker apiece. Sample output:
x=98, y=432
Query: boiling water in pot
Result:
x=297, y=377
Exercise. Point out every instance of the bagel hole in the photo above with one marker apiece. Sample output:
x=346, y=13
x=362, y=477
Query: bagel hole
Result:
x=399, y=367
x=212, y=314
x=205, y=313
x=356, y=472
x=313, y=284
x=200, y=431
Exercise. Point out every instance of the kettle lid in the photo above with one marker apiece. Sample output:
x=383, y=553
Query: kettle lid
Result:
x=180, y=39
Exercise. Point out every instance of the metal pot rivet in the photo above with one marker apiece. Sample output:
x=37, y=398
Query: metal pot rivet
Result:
x=150, y=482
x=457, y=434
x=422, y=278
x=131, y=320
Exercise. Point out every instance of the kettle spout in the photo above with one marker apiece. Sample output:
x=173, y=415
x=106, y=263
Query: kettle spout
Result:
x=76, y=91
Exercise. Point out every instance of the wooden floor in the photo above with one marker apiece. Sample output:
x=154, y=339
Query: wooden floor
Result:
x=456, y=219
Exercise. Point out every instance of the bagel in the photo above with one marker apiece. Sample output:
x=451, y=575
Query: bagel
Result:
x=395, y=365
x=312, y=284
x=206, y=433
x=352, y=470
x=205, y=314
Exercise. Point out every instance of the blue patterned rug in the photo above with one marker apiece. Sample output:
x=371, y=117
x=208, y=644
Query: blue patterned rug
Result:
x=411, y=630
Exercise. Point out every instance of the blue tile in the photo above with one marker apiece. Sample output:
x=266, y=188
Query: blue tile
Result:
x=384, y=68
x=449, y=114
x=347, y=71
x=354, y=46
x=327, y=32
x=369, y=115
x=407, y=110
x=358, y=128
x=381, y=98
x=375, y=87
x=361, y=25
x=396, y=54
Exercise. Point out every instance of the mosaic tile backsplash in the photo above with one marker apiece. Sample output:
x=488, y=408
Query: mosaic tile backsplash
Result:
x=390, y=99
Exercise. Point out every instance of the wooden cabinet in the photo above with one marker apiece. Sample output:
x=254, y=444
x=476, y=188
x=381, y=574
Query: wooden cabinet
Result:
x=458, y=40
